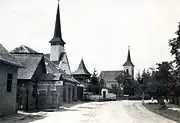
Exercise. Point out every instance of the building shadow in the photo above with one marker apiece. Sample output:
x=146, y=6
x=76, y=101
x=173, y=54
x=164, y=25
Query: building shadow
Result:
x=22, y=118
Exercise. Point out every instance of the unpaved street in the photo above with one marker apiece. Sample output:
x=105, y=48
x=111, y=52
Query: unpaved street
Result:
x=102, y=112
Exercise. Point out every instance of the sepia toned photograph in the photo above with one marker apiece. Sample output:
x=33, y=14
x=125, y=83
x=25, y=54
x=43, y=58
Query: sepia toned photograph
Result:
x=89, y=61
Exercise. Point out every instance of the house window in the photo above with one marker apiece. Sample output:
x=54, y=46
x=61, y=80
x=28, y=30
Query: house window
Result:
x=9, y=82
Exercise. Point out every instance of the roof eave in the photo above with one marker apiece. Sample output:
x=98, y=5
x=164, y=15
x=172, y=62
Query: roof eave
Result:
x=16, y=65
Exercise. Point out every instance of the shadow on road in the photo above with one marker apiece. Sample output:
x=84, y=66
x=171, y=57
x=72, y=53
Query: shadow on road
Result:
x=22, y=118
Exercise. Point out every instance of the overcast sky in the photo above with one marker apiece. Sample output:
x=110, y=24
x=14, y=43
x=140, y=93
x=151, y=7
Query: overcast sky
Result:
x=97, y=30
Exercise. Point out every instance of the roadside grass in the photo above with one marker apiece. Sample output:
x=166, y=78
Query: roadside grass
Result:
x=166, y=112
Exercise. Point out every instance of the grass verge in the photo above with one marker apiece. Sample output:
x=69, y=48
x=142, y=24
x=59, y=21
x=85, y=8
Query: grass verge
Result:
x=166, y=112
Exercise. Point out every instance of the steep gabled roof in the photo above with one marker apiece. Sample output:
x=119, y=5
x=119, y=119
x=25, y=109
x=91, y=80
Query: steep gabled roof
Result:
x=50, y=66
x=30, y=61
x=109, y=76
x=23, y=49
x=69, y=78
x=81, y=69
x=66, y=75
x=128, y=61
x=7, y=58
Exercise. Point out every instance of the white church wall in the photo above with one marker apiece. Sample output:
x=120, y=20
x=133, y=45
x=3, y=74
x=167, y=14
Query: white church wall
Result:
x=55, y=52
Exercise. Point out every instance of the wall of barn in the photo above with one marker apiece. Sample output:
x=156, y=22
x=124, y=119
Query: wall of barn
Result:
x=50, y=94
x=7, y=99
x=26, y=95
x=69, y=92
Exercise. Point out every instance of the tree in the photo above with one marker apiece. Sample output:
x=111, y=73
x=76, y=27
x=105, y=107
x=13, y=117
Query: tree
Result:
x=95, y=86
x=102, y=83
x=164, y=78
x=94, y=78
x=174, y=43
x=125, y=80
x=144, y=82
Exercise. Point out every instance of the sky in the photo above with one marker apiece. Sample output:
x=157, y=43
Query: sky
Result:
x=100, y=31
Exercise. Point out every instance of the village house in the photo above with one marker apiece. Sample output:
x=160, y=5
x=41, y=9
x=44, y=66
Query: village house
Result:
x=83, y=76
x=49, y=86
x=28, y=78
x=109, y=77
x=8, y=83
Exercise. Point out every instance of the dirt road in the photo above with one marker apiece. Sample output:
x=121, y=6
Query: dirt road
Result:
x=101, y=112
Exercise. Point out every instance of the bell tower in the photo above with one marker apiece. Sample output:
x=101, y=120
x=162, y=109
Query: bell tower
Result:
x=128, y=65
x=57, y=43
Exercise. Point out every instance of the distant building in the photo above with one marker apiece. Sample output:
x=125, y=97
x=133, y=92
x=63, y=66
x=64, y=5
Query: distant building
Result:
x=83, y=76
x=109, y=77
x=8, y=83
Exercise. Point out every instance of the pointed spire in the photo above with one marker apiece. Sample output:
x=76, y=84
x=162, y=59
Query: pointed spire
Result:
x=57, y=30
x=128, y=61
x=129, y=56
x=57, y=39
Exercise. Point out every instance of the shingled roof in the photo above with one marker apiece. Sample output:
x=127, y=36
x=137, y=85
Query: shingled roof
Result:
x=30, y=61
x=23, y=49
x=7, y=58
x=50, y=76
x=109, y=76
x=81, y=69
x=50, y=66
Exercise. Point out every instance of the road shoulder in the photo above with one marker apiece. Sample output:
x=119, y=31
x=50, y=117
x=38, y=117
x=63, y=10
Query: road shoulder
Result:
x=168, y=112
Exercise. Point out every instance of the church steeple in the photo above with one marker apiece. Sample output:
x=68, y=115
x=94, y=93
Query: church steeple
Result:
x=128, y=65
x=57, y=43
x=57, y=39
x=128, y=61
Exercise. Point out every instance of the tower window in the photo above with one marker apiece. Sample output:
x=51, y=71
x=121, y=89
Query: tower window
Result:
x=127, y=71
x=9, y=82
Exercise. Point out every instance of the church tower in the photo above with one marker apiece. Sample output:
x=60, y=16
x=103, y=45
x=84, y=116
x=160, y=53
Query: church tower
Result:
x=57, y=43
x=128, y=65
